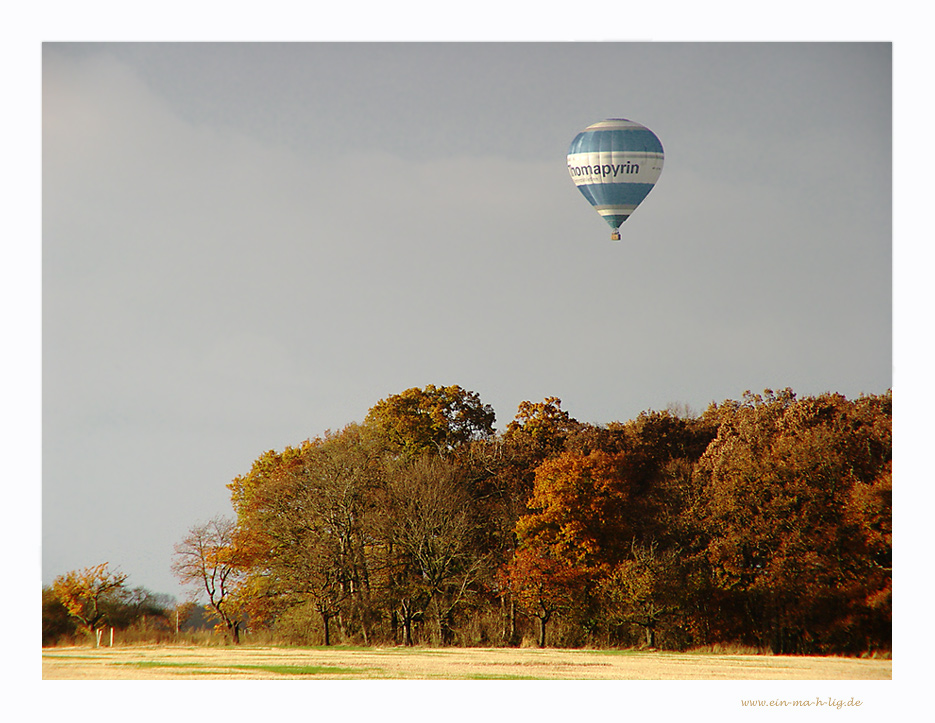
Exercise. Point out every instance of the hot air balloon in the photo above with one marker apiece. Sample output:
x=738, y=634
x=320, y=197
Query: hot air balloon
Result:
x=615, y=164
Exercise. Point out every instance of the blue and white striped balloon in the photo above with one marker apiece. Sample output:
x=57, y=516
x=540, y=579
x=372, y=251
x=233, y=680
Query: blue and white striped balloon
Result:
x=615, y=164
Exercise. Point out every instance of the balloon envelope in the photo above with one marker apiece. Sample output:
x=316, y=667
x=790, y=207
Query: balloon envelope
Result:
x=615, y=164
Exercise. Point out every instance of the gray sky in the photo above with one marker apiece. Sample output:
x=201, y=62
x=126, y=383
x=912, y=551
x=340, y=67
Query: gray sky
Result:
x=245, y=245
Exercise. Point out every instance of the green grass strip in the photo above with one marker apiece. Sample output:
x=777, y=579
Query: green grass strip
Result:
x=493, y=676
x=162, y=664
x=300, y=669
x=277, y=669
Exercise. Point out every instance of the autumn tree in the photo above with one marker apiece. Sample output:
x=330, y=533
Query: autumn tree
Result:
x=247, y=491
x=269, y=482
x=581, y=509
x=208, y=560
x=85, y=594
x=538, y=432
x=543, y=585
x=434, y=419
x=576, y=520
x=313, y=514
x=303, y=523
x=792, y=496
x=306, y=567
x=431, y=532
x=645, y=589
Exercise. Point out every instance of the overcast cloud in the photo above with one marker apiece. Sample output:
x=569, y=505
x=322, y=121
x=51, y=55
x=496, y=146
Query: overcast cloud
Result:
x=245, y=245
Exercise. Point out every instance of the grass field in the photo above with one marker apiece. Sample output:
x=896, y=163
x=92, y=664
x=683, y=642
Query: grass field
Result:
x=254, y=663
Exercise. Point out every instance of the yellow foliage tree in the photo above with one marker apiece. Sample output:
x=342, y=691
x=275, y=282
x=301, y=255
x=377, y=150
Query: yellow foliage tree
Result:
x=85, y=592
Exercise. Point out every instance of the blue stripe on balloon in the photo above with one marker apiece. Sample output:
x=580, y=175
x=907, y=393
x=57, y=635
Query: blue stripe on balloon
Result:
x=614, y=221
x=638, y=140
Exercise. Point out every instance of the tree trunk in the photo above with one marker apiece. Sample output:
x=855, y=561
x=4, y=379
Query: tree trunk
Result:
x=364, y=592
x=514, y=633
x=363, y=626
x=406, y=614
x=325, y=619
x=437, y=623
x=448, y=632
x=407, y=628
x=543, y=619
x=650, y=636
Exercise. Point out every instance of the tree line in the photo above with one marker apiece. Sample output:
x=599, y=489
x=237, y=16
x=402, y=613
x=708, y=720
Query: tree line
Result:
x=764, y=522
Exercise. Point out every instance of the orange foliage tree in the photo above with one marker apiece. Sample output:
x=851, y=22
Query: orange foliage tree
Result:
x=792, y=520
x=580, y=509
x=543, y=585
x=84, y=593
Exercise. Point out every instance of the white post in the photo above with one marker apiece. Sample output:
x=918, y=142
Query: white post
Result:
x=97, y=637
x=111, y=637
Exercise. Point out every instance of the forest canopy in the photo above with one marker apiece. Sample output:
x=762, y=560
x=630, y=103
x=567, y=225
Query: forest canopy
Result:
x=764, y=522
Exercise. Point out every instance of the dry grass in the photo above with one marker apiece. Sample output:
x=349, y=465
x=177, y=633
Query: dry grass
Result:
x=254, y=662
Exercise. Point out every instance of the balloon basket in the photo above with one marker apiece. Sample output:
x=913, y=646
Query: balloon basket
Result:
x=615, y=236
